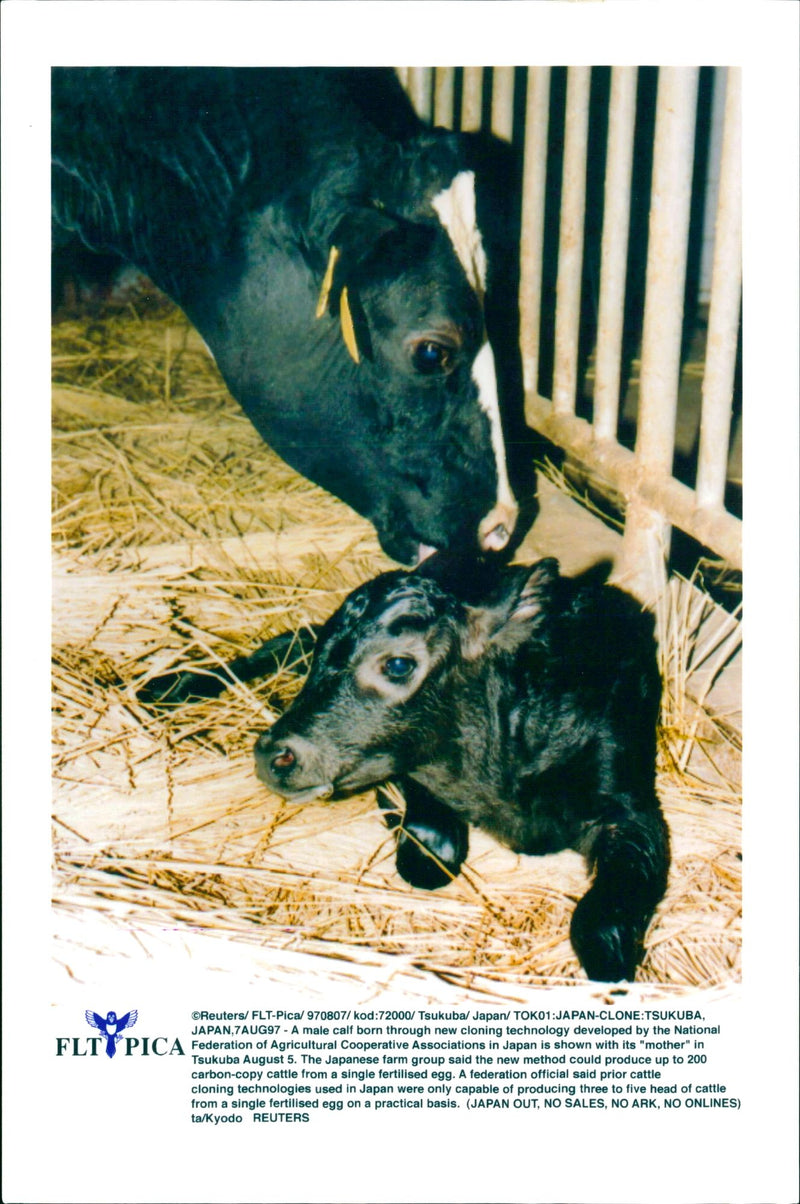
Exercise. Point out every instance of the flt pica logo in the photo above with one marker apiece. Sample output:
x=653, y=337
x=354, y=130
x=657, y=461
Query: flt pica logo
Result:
x=111, y=1027
x=111, y=1039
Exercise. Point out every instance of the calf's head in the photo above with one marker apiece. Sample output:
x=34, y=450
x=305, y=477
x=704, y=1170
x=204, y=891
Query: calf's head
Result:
x=390, y=667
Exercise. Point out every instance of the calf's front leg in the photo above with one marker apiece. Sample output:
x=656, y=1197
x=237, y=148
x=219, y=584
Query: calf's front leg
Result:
x=432, y=841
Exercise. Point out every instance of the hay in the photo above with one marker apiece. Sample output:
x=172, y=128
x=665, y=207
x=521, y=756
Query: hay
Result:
x=179, y=537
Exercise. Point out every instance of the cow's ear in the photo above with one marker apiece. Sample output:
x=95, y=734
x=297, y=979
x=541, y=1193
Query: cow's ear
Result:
x=351, y=340
x=355, y=238
x=358, y=234
x=511, y=615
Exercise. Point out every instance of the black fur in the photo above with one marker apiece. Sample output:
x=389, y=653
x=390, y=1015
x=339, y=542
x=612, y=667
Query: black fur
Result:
x=229, y=187
x=531, y=713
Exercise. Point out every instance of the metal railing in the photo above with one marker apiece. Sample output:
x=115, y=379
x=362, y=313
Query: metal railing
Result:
x=654, y=499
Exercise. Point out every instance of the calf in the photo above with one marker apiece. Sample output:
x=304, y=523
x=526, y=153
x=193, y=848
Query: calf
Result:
x=517, y=700
x=325, y=244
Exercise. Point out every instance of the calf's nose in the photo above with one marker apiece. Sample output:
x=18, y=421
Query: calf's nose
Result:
x=276, y=759
x=291, y=766
x=283, y=761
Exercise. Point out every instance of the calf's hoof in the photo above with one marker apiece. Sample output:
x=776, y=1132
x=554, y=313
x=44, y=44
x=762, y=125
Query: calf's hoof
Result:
x=429, y=857
x=609, y=946
x=432, y=842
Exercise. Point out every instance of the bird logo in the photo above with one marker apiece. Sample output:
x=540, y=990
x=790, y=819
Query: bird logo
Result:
x=112, y=1028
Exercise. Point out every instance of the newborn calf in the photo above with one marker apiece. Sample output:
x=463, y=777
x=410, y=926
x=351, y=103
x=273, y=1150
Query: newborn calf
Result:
x=513, y=699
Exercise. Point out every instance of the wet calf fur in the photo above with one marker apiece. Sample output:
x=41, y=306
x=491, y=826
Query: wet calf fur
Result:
x=513, y=699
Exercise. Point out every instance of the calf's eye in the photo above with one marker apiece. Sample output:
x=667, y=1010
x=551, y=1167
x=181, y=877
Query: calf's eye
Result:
x=398, y=668
x=430, y=357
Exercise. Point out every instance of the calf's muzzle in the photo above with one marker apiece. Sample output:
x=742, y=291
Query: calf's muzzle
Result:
x=292, y=767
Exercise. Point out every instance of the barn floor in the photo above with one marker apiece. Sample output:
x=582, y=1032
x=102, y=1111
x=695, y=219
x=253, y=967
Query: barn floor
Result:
x=179, y=537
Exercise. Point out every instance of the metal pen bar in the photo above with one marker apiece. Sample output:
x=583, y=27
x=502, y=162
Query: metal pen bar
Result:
x=723, y=316
x=420, y=90
x=444, y=97
x=673, y=163
x=645, y=544
x=472, y=99
x=614, y=250
x=616, y=467
x=503, y=102
x=534, y=179
x=570, y=247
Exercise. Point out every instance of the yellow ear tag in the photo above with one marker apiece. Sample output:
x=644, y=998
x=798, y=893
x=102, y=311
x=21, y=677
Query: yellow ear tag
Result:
x=327, y=282
x=348, y=330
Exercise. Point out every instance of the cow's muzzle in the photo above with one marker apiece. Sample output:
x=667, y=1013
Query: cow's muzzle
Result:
x=496, y=528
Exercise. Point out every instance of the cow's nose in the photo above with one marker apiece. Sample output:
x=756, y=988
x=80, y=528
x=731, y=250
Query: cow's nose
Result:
x=497, y=526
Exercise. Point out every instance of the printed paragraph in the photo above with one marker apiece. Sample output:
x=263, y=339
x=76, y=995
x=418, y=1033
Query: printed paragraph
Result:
x=289, y=1067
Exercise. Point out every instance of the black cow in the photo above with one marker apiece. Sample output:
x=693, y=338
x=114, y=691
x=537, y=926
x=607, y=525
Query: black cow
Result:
x=517, y=700
x=324, y=242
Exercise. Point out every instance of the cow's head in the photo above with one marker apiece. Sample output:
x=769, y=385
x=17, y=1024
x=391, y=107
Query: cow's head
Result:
x=350, y=327
x=405, y=280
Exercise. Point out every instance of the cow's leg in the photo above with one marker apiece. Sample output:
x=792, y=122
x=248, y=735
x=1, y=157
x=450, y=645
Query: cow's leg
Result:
x=288, y=652
x=432, y=842
x=630, y=857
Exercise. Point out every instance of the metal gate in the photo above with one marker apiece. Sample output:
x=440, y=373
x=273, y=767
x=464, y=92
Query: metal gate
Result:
x=516, y=104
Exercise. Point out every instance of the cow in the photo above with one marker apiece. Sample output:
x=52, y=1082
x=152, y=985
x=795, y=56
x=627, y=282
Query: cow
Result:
x=325, y=244
x=510, y=698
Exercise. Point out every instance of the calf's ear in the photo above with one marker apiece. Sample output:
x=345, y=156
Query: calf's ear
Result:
x=536, y=590
x=508, y=618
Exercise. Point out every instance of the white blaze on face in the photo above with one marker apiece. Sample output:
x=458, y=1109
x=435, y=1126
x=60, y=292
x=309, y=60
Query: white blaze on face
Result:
x=495, y=527
x=457, y=213
x=456, y=209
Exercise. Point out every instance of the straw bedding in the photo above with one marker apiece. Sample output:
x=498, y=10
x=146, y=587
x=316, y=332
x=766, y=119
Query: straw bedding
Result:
x=179, y=537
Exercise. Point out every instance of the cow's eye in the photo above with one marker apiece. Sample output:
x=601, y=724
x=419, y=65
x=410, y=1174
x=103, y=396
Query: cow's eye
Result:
x=398, y=668
x=430, y=357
